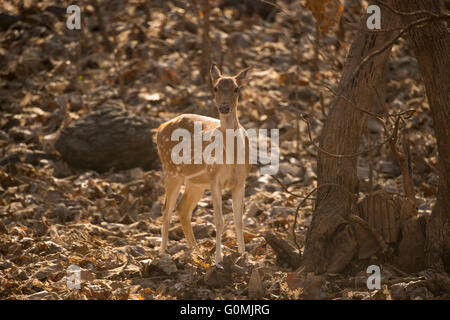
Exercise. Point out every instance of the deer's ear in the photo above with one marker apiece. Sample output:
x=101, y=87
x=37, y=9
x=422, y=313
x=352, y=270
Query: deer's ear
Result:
x=242, y=77
x=215, y=73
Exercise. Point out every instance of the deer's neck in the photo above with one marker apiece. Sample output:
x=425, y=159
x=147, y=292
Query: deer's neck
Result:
x=229, y=121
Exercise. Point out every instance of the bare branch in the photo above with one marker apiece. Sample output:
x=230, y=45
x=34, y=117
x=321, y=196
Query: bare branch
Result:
x=388, y=44
x=353, y=154
x=286, y=190
x=407, y=14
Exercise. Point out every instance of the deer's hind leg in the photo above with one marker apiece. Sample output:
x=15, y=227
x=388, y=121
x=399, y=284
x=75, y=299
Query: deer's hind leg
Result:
x=191, y=196
x=172, y=185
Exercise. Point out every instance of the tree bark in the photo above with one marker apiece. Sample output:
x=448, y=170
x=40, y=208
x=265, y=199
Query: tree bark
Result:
x=331, y=240
x=431, y=45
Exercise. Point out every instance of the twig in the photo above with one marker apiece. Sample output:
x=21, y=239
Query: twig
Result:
x=400, y=272
x=322, y=105
x=388, y=45
x=285, y=189
x=407, y=14
x=352, y=155
x=376, y=116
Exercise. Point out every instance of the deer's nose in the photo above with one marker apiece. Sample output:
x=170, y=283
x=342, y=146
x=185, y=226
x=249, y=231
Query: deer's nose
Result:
x=224, y=108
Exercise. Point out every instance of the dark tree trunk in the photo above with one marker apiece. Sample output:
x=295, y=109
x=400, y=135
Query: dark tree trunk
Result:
x=331, y=240
x=431, y=45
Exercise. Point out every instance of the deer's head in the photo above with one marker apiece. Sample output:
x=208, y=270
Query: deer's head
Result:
x=226, y=89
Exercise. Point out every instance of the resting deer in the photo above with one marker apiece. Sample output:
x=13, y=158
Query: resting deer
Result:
x=214, y=176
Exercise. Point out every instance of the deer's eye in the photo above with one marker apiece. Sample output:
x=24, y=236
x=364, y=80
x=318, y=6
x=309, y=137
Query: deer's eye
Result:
x=215, y=89
x=236, y=89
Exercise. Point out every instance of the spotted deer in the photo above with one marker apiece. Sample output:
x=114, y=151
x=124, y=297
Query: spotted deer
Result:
x=213, y=175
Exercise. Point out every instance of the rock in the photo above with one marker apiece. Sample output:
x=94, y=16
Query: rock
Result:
x=185, y=25
x=255, y=285
x=398, y=291
x=250, y=222
x=131, y=271
x=61, y=212
x=252, y=210
x=389, y=168
x=155, y=211
x=53, y=247
x=264, y=180
x=20, y=134
x=96, y=218
x=3, y=228
x=421, y=293
x=364, y=181
x=374, y=126
x=386, y=275
x=265, y=10
x=286, y=253
x=288, y=180
x=163, y=264
x=26, y=242
x=242, y=264
x=405, y=67
x=217, y=277
x=126, y=271
x=106, y=138
x=309, y=176
x=238, y=40
x=412, y=286
x=41, y=275
x=202, y=230
x=5, y=265
x=136, y=174
x=305, y=94
x=7, y=21
x=20, y=274
x=306, y=221
x=363, y=173
x=39, y=228
x=137, y=251
x=276, y=210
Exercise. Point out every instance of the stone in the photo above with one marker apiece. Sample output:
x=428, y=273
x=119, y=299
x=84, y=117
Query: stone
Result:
x=108, y=138
x=20, y=274
x=252, y=210
x=217, y=277
x=421, y=293
x=398, y=291
x=162, y=264
x=309, y=176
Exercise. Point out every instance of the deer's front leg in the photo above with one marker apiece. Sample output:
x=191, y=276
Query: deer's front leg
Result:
x=238, y=205
x=216, y=196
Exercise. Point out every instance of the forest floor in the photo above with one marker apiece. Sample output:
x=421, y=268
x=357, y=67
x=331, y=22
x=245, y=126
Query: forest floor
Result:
x=108, y=224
